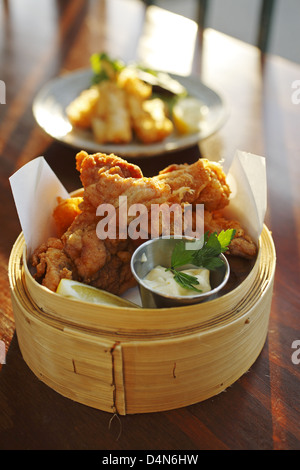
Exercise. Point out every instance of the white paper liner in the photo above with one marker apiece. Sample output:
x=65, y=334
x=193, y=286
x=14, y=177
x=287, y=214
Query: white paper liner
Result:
x=248, y=200
x=35, y=189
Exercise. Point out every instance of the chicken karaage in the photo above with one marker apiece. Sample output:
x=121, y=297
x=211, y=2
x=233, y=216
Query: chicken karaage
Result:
x=104, y=262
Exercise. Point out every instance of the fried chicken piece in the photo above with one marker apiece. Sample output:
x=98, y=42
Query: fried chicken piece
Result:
x=186, y=181
x=82, y=245
x=116, y=276
x=65, y=212
x=101, y=263
x=242, y=245
x=100, y=162
x=208, y=185
x=106, y=178
x=204, y=183
x=200, y=182
x=215, y=195
x=52, y=264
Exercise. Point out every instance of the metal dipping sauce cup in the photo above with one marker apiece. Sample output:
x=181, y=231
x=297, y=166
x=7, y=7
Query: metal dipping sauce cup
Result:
x=158, y=251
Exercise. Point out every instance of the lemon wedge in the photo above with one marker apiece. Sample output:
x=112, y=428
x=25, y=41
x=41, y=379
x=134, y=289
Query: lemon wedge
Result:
x=78, y=290
x=187, y=115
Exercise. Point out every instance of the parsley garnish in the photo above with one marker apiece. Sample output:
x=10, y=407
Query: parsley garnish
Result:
x=206, y=257
x=104, y=68
x=185, y=280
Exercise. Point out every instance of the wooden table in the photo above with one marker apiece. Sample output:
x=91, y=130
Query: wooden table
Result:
x=40, y=40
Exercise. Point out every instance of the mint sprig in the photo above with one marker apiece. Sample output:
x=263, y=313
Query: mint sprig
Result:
x=206, y=257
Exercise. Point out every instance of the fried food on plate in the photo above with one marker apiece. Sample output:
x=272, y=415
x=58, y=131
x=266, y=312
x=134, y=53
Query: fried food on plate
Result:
x=149, y=119
x=105, y=262
x=128, y=80
x=81, y=111
x=120, y=107
x=111, y=120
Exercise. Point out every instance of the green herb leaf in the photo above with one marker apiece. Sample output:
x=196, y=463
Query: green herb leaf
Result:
x=214, y=244
x=212, y=263
x=186, y=281
x=104, y=67
x=181, y=255
x=206, y=257
x=225, y=238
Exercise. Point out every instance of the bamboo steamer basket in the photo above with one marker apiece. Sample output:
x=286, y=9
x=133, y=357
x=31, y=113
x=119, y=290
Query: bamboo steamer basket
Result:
x=133, y=360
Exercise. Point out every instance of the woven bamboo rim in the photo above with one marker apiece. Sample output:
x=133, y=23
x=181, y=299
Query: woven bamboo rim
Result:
x=134, y=322
x=152, y=363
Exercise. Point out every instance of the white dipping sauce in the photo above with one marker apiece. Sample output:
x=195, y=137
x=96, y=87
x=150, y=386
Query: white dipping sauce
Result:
x=163, y=281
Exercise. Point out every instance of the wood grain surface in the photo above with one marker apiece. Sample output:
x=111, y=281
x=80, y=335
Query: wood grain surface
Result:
x=261, y=411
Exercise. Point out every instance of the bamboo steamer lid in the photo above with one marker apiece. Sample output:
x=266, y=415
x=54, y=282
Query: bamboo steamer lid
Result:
x=124, y=360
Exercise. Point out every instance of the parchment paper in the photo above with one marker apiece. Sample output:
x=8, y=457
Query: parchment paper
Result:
x=35, y=189
x=248, y=200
